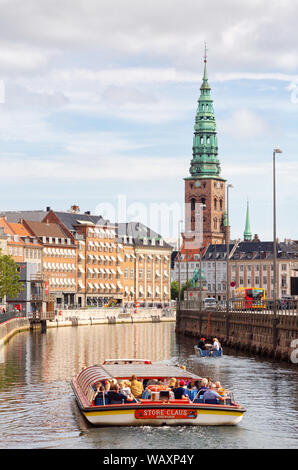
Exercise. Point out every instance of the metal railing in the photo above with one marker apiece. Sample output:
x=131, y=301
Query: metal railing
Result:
x=283, y=306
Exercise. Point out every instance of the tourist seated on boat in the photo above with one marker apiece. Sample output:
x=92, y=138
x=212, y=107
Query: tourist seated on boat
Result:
x=124, y=389
x=211, y=396
x=219, y=388
x=201, y=344
x=210, y=381
x=180, y=393
x=216, y=345
x=136, y=387
x=172, y=383
x=99, y=398
x=203, y=387
x=115, y=396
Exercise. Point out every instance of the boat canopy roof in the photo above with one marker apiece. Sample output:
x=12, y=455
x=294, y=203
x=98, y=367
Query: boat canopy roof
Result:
x=94, y=374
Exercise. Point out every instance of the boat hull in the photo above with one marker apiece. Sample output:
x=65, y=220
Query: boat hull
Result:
x=207, y=353
x=127, y=417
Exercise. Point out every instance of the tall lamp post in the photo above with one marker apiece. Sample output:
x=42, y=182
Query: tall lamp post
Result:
x=179, y=259
x=228, y=249
x=275, y=283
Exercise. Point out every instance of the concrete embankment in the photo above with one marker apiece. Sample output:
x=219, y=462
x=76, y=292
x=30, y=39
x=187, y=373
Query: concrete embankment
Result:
x=257, y=333
x=11, y=327
x=103, y=316
x=86, y=317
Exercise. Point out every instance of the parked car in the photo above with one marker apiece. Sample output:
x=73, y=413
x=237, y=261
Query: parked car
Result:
x=210, y=302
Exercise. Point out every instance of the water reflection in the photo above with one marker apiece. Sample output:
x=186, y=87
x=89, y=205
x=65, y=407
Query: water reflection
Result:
x=37, y=407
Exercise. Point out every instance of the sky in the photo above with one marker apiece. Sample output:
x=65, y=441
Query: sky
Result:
x=98, y=102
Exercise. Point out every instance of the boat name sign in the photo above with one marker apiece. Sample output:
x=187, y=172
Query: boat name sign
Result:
x=165, y=413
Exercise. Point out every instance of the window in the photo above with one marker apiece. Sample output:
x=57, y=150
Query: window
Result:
x=192, y=204
x=283, y=267
x=126, y=273
x=215, y=204
x=149, y=274
x=141, y=273
x=131, y=273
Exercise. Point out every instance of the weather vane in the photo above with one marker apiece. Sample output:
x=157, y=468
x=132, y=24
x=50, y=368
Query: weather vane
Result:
x=205, y=56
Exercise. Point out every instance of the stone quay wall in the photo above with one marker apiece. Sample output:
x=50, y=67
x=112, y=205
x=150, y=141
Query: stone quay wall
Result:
x=11, y=327
x=258, y=333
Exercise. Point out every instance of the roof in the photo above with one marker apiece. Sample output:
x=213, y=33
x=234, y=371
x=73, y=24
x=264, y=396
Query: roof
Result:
x=251, y=251
x=154, y=370
x=93, y=374
x=43, y=229
x=138, y=232
x=20, y=230
x=15, y=216
x=72, y=220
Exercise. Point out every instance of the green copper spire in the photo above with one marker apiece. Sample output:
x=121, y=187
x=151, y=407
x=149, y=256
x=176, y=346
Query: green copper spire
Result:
x=205, y=163
x=247, y=232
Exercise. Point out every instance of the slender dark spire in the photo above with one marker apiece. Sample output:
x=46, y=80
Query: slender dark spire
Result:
x=247, y=231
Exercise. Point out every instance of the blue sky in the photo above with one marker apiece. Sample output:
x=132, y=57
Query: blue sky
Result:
x=99, y=100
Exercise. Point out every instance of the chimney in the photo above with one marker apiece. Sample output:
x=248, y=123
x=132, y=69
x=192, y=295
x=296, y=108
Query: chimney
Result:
x=48, y=209
x=87, y=212
x=74, y=209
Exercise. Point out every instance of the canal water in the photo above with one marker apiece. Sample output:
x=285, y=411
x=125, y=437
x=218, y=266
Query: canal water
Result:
x=38, y=410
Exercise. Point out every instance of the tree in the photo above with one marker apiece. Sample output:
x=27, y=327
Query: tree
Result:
x=175, y=290
x=10, y=284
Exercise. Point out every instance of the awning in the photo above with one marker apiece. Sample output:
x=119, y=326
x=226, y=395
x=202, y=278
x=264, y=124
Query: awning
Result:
x=81, y=256
x=113, y=286
x=81, y=270
x=119, y=258
x=119, y=271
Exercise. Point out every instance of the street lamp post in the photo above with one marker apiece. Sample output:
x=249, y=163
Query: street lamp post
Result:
x=228, y=250
x=179, y=259
x=275, y=283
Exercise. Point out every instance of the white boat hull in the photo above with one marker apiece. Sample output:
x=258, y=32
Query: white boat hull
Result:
x=204, y=417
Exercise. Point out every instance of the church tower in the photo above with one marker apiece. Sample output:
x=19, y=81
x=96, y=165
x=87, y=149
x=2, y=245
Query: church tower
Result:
x=247, y=235
x=204, y=185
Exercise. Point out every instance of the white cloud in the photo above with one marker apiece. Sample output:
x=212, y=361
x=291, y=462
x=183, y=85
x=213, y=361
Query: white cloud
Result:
x=244, y=123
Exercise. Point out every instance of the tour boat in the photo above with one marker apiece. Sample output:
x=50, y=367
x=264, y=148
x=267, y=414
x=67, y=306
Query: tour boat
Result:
x=160, y=409
x=207, y=352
